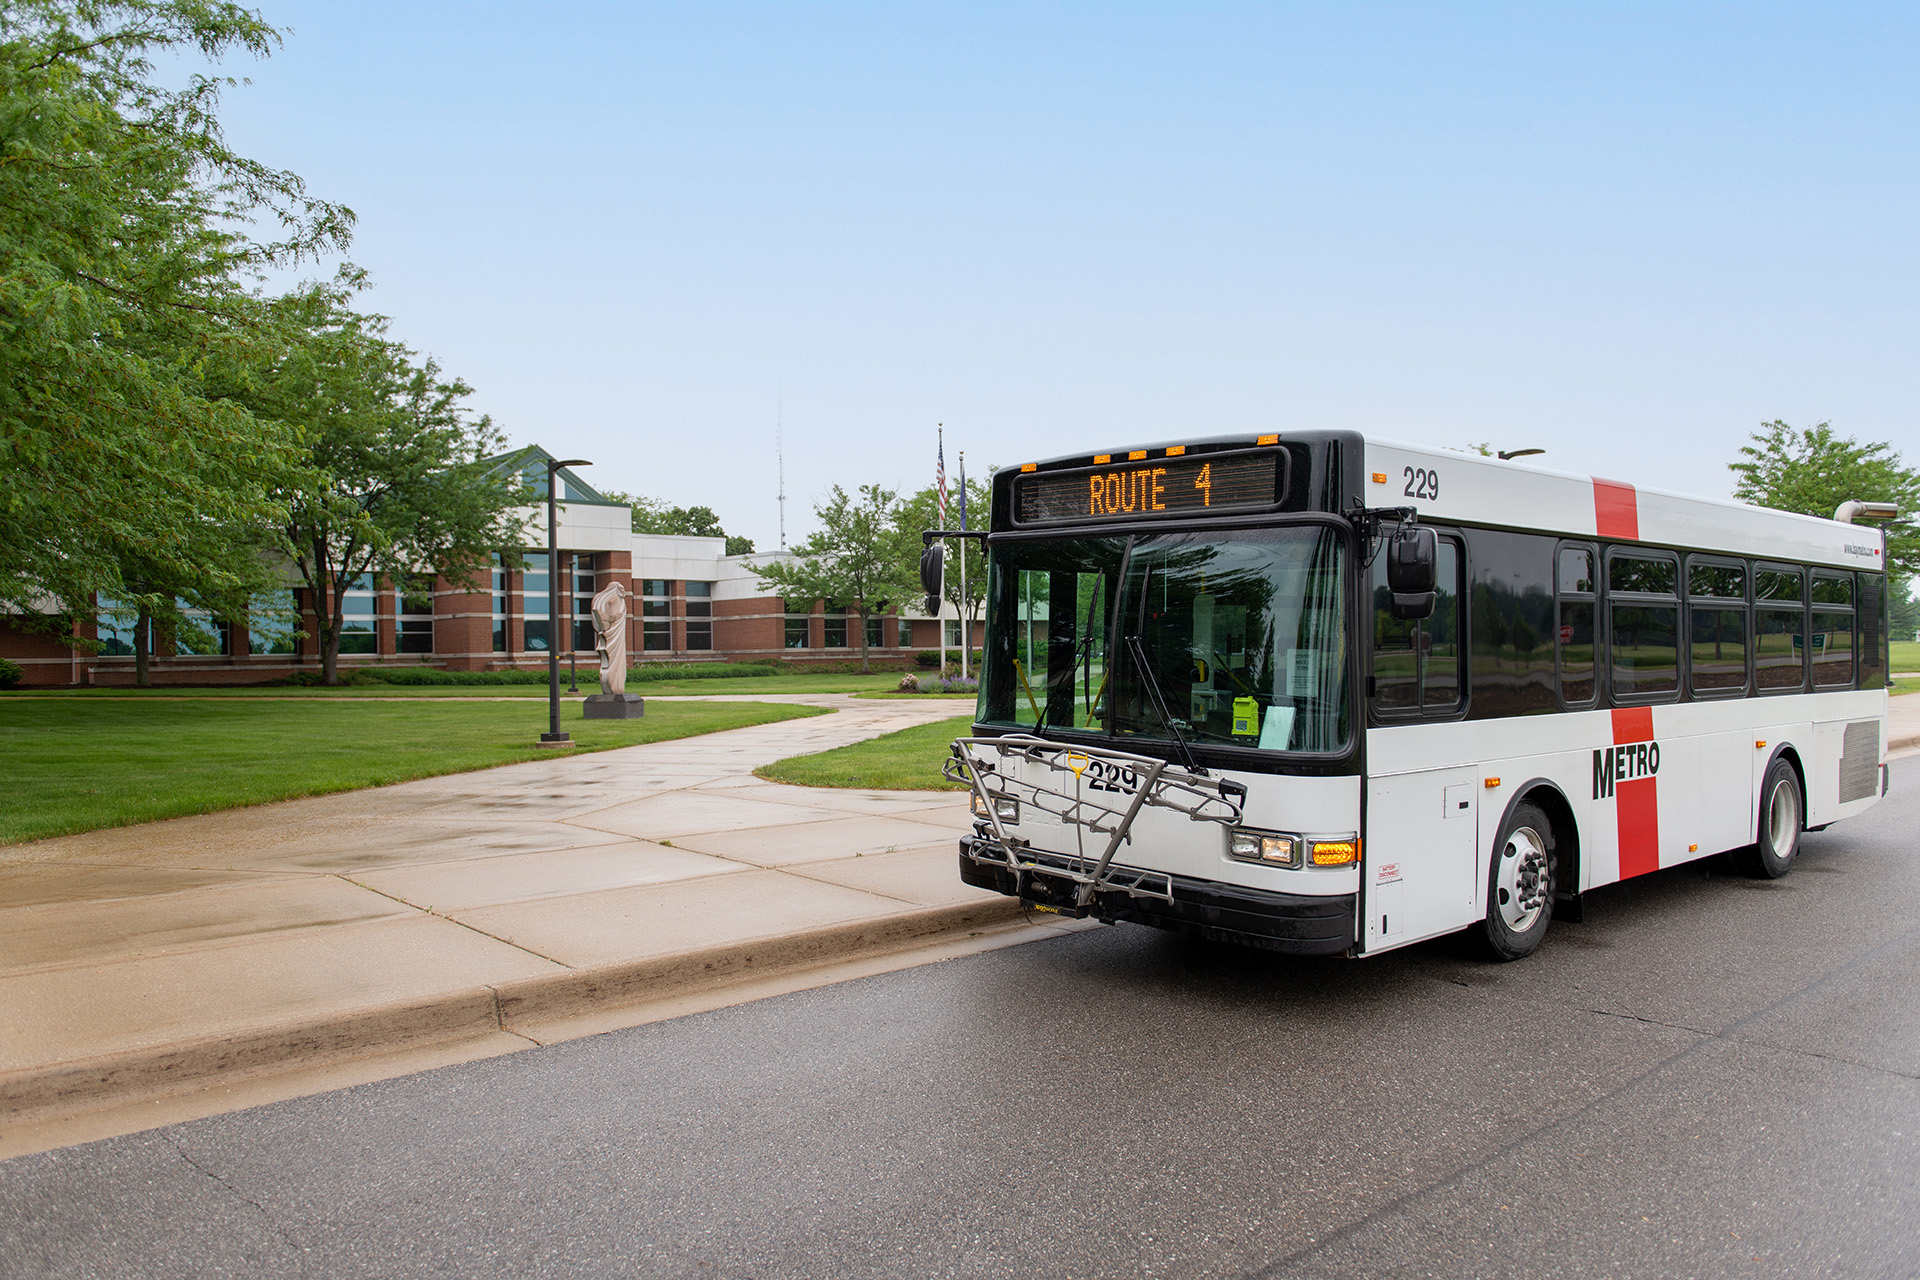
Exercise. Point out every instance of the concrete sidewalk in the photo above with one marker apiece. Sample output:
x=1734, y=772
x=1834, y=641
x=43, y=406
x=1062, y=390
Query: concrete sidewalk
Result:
x=1903, y=722
x=145, y=960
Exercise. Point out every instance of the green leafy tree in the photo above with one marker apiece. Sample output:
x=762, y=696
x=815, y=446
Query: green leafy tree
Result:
x=1812, y=470
x=855, y=556
x=125, y=246
x=394, y=477
x=920, y=512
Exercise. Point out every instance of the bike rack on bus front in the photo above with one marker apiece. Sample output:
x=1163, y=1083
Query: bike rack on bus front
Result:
x=1156, y=783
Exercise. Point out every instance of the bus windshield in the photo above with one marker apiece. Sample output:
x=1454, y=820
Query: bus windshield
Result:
x=1244, y=637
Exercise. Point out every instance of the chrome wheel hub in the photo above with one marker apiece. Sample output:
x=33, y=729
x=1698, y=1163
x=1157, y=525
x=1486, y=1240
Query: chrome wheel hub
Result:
x=1523, y=881
x=1783, y=820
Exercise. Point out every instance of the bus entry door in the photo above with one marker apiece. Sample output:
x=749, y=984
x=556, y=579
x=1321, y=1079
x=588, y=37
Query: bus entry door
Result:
x=1420, y=874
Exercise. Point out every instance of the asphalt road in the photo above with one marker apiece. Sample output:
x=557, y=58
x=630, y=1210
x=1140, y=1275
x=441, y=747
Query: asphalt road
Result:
x=1709, y=1077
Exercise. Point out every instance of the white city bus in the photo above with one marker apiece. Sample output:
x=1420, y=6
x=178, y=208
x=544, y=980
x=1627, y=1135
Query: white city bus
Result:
x=1323, y=694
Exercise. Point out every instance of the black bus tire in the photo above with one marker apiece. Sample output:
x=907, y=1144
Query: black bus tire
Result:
x=1520, y=885
x=1781, y=819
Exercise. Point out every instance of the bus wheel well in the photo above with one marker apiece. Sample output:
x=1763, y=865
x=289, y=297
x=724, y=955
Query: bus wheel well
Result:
x=1566, y=842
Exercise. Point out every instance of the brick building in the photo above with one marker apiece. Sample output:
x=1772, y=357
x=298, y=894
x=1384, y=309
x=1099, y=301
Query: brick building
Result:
x=691, y=602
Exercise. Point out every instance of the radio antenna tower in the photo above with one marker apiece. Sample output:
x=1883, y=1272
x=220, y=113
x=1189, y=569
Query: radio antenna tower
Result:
x=780, y=458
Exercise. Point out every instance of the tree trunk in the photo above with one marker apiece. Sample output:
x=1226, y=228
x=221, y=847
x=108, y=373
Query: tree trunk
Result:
x=142, y=643
x=863, y=638
x=330, y=637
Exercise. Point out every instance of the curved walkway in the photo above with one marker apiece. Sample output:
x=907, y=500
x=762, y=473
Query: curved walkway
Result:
x=141, y=957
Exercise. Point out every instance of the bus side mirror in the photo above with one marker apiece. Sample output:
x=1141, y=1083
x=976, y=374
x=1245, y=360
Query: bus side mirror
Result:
x=933, y=573
x=1411, y=574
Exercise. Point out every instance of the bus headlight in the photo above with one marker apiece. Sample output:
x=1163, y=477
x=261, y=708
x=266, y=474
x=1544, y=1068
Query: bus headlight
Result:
x=1005, y=808
x=1336, y=852
x=1263, y=846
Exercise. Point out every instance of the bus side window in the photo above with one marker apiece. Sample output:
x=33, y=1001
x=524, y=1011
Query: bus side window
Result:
x=1416, y=665
x=1871, y=589
x=1573, y=626
x=1780, y=629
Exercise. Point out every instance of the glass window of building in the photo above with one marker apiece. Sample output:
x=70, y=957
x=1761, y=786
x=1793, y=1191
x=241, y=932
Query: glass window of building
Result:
x=876, y=628
x=699, y=615
x=499, y=604
x=656, y=615
x=536, y=604
x=952, y=627
x=583, y=588
x=199, y=633
x=273, y=623
x=836, y=628
x=413, y=612
x=799, y=618
x=117, y=628
x=906, y=633
x=358, y=615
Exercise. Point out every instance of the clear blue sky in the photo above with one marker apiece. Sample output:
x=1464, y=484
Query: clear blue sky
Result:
x=1626, y=234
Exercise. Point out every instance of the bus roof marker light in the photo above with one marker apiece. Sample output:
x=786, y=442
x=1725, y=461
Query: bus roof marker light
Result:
x=1175, y=450
x=1136, y=455
x=1268, y=440
x=1102, y=459
x=1029, y=466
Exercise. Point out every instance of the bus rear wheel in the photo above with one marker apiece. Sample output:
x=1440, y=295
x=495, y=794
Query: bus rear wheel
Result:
x=1520, y=885
x=1783, y=813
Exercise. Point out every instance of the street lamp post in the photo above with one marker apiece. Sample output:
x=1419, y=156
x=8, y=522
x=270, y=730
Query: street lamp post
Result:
x=554, y=737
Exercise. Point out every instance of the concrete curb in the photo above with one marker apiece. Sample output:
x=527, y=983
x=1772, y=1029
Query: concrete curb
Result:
x=1901, y=744
x=147, y=1072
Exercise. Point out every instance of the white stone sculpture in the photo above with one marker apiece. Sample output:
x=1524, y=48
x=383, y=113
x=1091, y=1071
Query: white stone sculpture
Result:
x=610, y=636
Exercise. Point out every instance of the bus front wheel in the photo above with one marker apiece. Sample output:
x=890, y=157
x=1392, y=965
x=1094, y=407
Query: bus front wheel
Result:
x=1520, y=884
x=1782, y=815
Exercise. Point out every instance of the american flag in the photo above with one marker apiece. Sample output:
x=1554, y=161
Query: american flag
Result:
x=940, y=476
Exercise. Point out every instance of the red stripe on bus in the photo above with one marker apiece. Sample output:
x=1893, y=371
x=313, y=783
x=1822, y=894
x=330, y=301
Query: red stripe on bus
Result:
x=1636, y=805
x=1632, y=724
x=1616, y=510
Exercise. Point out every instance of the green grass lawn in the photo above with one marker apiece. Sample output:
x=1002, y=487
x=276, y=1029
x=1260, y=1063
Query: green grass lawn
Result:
x=908, y=760
x=1910, y=685
x=875, y=682
x=1906, y=655
x=76, y=765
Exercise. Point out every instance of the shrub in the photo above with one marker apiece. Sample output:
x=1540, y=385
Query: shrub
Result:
x=951, y=684
x=926, y=659
x=9, y=674
x=909, y=684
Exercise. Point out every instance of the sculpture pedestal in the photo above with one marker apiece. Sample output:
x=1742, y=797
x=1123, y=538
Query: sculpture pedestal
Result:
x=615, y=706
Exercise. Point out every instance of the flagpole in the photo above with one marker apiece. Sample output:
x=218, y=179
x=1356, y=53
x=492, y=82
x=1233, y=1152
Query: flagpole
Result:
x=940, y=502
x=966, y=631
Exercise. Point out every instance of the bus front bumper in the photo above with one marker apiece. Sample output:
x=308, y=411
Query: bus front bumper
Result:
x=1288, y=922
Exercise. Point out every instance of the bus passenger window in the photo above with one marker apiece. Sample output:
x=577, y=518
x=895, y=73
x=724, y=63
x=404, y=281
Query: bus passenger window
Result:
x=1779, y=631
x=1717, y=628
x=1573, y=627
x=1643, y=638
x=1873, y=640
x=1832, y=634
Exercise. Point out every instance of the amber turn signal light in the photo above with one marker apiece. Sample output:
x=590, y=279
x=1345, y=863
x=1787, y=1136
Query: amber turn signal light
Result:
x=1335, y=853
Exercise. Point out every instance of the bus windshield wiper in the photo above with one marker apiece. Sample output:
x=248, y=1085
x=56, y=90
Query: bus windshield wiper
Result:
x=1152, y=683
